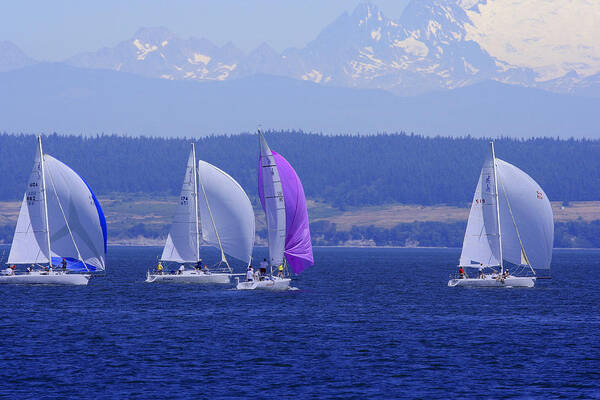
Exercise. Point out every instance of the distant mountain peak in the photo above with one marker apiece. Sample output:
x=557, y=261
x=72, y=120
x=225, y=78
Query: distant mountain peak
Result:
x=433, y=45
x=12, y=57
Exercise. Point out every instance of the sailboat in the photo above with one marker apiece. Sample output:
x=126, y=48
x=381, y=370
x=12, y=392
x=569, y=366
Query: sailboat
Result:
x=283, y=201
x=510, y=224
x=214, y=210
x=61, y=229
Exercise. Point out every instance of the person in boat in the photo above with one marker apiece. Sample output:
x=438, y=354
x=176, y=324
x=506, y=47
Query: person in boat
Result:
x=506, y=273
x=461, y=272
x=159, y=268
x=480, y=272
x=63, y=263
x=264, y=264
x=198, y=266
x=205, y=269
x=280, y=271
x=250, y=274
x=29, y=270
x=181, y=269
x=10, y=270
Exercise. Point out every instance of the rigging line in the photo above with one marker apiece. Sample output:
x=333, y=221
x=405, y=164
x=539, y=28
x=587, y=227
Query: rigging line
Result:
x=66, y=222
x=223, y=258
x=516, y=228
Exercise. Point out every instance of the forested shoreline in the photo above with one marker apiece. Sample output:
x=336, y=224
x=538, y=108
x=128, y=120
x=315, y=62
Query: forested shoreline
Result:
x=344, y=171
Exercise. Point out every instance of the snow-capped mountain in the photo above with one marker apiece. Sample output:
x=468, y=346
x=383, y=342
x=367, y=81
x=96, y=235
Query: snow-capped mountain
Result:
x=552, y=37
x=158, y=52
x=12, y=57
x=435, y=44
x=424, y=50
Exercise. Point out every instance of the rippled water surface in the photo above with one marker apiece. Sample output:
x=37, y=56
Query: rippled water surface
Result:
x=366, y=323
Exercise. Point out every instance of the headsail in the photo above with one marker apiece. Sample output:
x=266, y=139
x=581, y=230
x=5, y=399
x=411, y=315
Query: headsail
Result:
x=77, y=223
x=527, y=221
x=183, y=242
x=480, y=245
x=224, y=206
x=282, y=196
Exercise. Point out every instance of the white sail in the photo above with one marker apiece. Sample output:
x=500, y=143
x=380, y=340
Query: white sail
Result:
x=75, y=219
x=224, y=206
x=183, y=242
x=480, y=245
x=30, y=245
x=526, y=218
x=273, y=203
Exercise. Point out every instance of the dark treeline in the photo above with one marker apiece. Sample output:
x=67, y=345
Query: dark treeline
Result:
x=573, y=234
x=344, y=171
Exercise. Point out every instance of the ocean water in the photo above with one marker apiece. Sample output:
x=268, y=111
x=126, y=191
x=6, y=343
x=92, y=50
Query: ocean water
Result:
x=364, y=324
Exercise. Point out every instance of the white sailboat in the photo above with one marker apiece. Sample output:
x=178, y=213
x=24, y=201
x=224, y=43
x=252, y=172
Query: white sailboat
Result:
x=510, y=224
x=282, y=199
x=61, y=229
x=214, y=210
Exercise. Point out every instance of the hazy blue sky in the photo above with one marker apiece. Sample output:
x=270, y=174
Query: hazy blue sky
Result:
x=56, y=29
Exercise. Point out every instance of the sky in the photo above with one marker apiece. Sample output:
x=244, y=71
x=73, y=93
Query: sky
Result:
x=57, y=29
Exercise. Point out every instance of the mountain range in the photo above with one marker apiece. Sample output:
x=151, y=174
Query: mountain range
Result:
x=434, y=45
x=65, y=99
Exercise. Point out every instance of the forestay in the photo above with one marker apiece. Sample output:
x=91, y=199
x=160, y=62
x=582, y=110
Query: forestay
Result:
x=224, y=206
x=183, y=242
x=526, y=217
x=480, y=245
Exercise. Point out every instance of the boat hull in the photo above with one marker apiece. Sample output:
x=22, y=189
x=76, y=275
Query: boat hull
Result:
x=190, y=277
x=488, y=281
x=274, y=284
x=56, y=278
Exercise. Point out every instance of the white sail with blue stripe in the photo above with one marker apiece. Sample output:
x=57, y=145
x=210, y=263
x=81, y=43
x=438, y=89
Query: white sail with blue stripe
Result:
x=60, y=219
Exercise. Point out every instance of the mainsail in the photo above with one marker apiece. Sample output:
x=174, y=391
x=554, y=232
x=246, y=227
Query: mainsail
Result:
x=226, y=213
x=76, y=223
x=282, y=198
x=30, y=244
x=480, y=245
x=183, y=242
x=526, y=228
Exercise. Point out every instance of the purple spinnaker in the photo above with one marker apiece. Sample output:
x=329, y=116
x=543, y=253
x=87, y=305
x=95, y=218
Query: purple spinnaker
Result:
x=298, y=248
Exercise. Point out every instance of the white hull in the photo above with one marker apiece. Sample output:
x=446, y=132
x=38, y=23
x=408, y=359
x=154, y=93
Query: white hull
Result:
x=190, y=277
x=273, y=283
x=492, y=281
x=53, y=278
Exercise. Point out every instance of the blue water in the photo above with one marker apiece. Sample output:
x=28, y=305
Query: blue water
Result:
x=367, y=323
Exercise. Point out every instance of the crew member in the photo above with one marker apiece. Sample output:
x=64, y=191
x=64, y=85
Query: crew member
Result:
x=461, y=272
x=250, y=274
x=280, y=271
x=181, y=269
x=159, y=268
x=264, y=264
x=64, y=264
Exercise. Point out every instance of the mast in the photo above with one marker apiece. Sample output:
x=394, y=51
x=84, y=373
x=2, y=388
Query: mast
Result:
x=497, y=206
x=196, y=204
x=45, y=200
